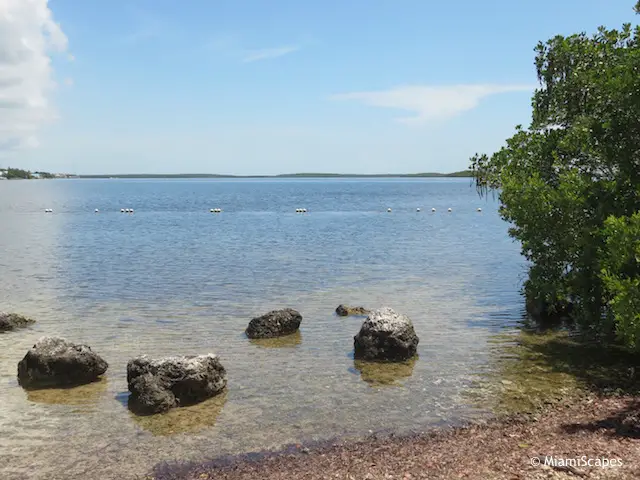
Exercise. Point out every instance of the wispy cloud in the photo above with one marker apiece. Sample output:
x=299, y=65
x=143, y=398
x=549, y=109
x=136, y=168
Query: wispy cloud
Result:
x=231, y=46
x=28, y=35
x=430, y=103
x=268, y=53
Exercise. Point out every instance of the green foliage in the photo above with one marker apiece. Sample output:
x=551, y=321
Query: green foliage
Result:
x=621, y=276
x=572, y=172
x=16, y=173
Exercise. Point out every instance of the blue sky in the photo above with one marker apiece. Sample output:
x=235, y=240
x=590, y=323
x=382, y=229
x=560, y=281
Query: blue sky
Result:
x=271, y=86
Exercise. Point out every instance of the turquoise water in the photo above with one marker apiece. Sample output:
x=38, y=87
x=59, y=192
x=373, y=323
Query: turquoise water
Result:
x=173, y=278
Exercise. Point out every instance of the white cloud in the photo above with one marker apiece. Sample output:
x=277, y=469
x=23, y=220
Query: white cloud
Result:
x=429, y=103
x=28, y=35
x=269, y=53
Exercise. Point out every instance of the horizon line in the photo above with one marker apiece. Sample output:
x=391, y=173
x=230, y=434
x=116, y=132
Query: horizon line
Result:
x=298, y=174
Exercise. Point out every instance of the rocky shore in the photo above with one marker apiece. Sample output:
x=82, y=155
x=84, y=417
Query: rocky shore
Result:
x=596, y=429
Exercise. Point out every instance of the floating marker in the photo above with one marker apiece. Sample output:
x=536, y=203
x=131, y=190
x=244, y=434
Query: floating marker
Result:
x=433, y=209
x=131, y=210
x=417, y=209
x=448, y=210
x=304, y=210
x=97, y=211
x=389, y=210
x=479, y=209
x=122, y=210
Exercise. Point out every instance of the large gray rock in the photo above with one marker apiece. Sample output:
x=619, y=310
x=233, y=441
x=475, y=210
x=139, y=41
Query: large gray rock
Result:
x=57, y=362
x=275, y=324
x=386, y=336
x=156, y=385
x=12, y=321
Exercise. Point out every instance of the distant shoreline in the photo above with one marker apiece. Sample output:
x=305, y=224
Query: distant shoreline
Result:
x=464, y=174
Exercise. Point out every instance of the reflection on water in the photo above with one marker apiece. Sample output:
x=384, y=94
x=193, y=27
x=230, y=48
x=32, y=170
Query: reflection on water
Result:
x=189, y=419
x=85, y=395
x=175, y=280
x=286, y=341
x=385, y=373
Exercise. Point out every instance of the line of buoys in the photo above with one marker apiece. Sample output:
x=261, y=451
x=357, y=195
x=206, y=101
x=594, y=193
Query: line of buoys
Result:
x=219, y=210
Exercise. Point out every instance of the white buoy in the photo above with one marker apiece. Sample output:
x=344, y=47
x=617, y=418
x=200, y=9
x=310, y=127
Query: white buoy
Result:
x=304, y=210
x=218, y=210
x=433, y=209
x=448, y=210
x=417, y=209
x=212, y=210
x=131, y=210
x=389, y=210
x=97, y=211
x=122, y=210
x=479, y=209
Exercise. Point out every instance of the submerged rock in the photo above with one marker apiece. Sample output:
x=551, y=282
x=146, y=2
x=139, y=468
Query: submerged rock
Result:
x=385, y=373
x=12, y=321
x=275, y=324
x=386, y=336
x=157, y=385
x=57, y=362
x=346, y=310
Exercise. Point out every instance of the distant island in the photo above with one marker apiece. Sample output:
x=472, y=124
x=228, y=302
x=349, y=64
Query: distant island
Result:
x=463, y=173
x=19, y=174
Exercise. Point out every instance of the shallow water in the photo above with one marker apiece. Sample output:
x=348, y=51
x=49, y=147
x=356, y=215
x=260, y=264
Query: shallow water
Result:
x=175, y=279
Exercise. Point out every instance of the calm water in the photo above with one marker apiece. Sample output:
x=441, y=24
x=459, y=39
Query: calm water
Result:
x=175, y=279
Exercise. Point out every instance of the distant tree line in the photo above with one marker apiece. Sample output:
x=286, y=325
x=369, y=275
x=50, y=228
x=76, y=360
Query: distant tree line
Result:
x=17, y=173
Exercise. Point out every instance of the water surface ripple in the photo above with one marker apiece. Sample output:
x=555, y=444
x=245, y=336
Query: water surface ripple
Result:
x=175, y=279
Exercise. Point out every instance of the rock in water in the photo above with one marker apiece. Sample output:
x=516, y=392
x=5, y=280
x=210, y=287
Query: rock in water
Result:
x=386, y=336
x=57, y=362
x=274, y=324
x=12, y=321
x=345, y=310
x=156, y=385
